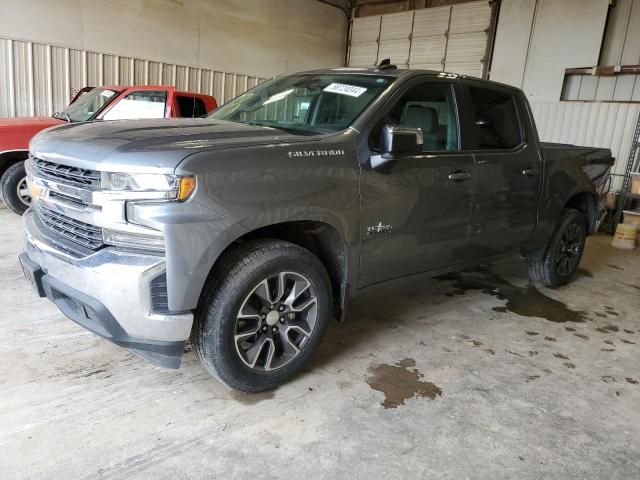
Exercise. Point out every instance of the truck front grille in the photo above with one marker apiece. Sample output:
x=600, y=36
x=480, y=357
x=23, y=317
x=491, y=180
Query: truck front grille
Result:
x=88, y=236
x=82, y=177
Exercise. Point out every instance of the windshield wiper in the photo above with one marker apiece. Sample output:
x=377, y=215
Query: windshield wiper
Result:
x=64, y=116
x=291, y=130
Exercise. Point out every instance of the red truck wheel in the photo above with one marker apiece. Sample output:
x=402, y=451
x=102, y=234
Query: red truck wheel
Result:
x=14, y=189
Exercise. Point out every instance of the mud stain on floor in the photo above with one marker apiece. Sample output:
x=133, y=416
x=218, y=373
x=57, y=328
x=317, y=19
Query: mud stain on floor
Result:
x=632, y=381
x=627, y=341
x=608, y=329
x=559, y=355
x=532, y=333
x=579, y=335
x=398, y=383
x=610, y=265
x=251, y=398
x=526, y=301
x=584, y=272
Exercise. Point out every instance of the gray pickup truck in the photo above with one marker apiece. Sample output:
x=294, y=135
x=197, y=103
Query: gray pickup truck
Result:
x=248, y=229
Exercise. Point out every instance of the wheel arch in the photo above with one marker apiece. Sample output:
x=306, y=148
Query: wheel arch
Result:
x=319, y=237
x=10, y=157
x=587, y=203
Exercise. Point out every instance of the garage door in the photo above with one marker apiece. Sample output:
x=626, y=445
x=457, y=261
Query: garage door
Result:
x=452, y=38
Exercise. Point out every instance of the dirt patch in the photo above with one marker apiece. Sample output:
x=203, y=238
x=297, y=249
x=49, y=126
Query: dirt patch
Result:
x=614, y=267
x=632, y=381
x=398, y=383
x=579, y=335
x=627, y=341
x=531, y=378
x=251, y=398
x=569, y=365
x=628, y=331
x=608, y=379
x=583, y=272
x=550, y=339
x=608, y=329
x=560, y=355
x=532, y=333
x=526, y=301
x=569, y=329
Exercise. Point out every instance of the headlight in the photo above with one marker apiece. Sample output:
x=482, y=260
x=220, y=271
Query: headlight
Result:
x=170, y=187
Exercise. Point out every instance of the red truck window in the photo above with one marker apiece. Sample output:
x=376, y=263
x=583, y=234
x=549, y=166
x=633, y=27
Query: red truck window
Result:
x=139, y=104
x=191, y=106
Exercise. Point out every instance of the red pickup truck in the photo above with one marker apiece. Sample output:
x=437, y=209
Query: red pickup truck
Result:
x=101, y=103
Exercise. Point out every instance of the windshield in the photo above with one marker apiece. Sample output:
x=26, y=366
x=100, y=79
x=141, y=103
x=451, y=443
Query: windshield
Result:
x=89, y=104
x=305, y=104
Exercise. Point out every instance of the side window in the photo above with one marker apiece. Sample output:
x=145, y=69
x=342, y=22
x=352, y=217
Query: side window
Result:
x=139, y=104
x=495, y=118
x=191, y=106
x=430, y=107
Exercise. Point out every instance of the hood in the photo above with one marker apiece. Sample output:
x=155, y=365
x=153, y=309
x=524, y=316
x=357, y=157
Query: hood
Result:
x=148, y=145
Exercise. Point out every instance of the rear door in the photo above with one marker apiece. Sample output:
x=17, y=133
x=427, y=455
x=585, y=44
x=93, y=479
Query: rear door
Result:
x=508, y=168
x=415, y=212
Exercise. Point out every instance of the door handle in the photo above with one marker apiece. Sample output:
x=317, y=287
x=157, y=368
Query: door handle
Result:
x=459, y=176
x=530, y=172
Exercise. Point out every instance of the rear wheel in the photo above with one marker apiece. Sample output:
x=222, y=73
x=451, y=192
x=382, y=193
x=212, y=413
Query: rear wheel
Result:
x=263, y=315
x=15, y=192
x=560, y=261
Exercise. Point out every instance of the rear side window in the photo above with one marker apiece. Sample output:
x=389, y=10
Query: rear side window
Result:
x=495, y=119
x=191, y=106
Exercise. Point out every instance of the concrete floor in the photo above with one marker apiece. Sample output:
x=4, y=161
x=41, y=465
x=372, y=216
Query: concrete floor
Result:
x=472, y=376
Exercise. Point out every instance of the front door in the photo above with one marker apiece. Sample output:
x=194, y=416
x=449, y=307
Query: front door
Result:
x=416, y=211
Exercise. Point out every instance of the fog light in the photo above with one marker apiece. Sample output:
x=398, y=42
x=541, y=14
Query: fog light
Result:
x=133, y=240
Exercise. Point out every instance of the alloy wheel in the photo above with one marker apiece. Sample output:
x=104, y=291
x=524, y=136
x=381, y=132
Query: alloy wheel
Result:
x=22, y=190
x=569, y=250
x=276, y=321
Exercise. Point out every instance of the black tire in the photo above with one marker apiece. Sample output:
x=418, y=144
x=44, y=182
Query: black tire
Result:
x=558, y=263
x=12, y=178
x=229, y=290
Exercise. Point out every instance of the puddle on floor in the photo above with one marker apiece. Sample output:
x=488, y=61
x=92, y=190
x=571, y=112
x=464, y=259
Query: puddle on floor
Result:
x=399, y=383
x=526, y=301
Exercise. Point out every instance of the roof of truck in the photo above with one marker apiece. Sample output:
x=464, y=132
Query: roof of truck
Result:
x=401, y=72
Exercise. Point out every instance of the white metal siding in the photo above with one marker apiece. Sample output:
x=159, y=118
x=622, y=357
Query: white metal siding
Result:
x=39, y=79
x=617, y=88
x=592, y=124
x=452, y=38
x=365, y=36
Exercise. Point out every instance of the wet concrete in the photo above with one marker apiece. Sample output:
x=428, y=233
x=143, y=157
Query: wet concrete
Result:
x=74, y=406
x=526, y=301
x=400, y=382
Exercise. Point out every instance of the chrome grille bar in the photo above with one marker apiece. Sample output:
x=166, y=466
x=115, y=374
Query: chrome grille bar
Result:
x=81, y=233
x=73, y=175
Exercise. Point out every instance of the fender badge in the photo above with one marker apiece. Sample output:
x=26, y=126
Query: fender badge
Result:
x=378, y=229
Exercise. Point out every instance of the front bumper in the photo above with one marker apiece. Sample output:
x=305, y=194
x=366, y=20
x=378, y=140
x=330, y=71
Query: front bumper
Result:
x=108, y=293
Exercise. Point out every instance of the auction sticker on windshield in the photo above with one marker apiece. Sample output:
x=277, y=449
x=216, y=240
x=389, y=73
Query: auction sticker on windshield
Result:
x=344, y=89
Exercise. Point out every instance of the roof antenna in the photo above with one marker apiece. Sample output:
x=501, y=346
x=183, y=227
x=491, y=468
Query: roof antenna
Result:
x=386, y=65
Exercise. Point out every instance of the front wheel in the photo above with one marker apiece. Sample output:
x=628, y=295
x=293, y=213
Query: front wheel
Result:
x=262, y=315
x=15, y=192
x=559, y=263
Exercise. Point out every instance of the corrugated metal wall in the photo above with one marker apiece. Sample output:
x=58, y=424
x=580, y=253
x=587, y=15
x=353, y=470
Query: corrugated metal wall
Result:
x=593, y=124
x=614, y=88
x=39, y=79
x=452, y=38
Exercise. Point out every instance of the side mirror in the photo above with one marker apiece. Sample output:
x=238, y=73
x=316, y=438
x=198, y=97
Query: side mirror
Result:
x=395, y=142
